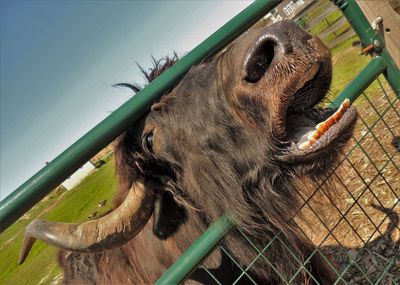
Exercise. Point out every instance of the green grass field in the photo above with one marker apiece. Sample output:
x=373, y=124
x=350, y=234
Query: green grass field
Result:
x=76, y=205
x=347, y=63
x=71, y=206
x=326, y=23
x=319, y=8
x=337, y=33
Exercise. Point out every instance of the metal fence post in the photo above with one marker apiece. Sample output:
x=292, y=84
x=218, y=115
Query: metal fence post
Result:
x=368, y=36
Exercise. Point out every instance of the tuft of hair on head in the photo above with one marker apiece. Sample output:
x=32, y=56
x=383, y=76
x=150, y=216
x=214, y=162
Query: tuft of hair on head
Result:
x=159, y=66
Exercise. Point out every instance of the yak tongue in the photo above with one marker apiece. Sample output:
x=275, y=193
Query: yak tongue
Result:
x=324, y=126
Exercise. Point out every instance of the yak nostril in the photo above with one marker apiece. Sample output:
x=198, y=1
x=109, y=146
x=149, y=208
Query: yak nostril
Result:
x=259, y=60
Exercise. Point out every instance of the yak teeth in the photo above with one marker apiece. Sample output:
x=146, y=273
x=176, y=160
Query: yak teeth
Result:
x=346, y=103
x=323, y=127
x=304, y=145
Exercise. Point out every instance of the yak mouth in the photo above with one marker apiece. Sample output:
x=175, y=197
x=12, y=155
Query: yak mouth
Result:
x=312, y=130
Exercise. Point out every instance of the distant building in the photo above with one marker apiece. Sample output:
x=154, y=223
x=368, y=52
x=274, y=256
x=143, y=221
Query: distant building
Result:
x=288, y=9
x=78, y=176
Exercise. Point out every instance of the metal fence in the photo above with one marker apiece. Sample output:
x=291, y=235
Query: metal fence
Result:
x=358, y=232
x=363, y=211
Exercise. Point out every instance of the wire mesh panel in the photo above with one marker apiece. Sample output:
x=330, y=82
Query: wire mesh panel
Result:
x=352, y=215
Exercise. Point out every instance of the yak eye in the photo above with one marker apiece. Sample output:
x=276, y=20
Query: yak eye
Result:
x=148, y=142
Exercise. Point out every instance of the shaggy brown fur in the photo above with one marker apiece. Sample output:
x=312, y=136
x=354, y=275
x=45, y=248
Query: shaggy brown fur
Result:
x=216, y=144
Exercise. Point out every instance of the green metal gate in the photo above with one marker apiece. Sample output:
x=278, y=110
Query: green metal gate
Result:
x=383, y=159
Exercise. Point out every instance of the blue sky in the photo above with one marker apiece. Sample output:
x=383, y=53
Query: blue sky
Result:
x=58, y=60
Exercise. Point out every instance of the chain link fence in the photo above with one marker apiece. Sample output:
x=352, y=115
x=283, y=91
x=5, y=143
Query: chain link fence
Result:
x=352, y=217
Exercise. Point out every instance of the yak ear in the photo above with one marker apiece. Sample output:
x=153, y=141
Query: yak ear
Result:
x=168, y=215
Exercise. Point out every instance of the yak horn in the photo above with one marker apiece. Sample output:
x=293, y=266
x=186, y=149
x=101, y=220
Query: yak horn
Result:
x=110, y=231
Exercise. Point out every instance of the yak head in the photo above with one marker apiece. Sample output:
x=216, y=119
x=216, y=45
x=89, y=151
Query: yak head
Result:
x=233, y=136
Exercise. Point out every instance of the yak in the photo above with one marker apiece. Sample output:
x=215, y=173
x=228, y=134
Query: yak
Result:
x=238, y=135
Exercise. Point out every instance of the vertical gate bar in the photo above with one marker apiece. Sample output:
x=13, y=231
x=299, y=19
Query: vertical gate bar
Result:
x=366, y=76
x=392, y=73
x=38, y=186
x=368, y=36
x=197, y=252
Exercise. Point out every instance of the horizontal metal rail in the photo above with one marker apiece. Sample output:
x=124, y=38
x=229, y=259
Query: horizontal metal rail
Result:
x=366, y=76
x=43, y=182
x=197, y=252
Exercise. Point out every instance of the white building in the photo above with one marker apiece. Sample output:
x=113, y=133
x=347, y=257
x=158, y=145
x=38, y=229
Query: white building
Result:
x=78, y=176
x=288, y=9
